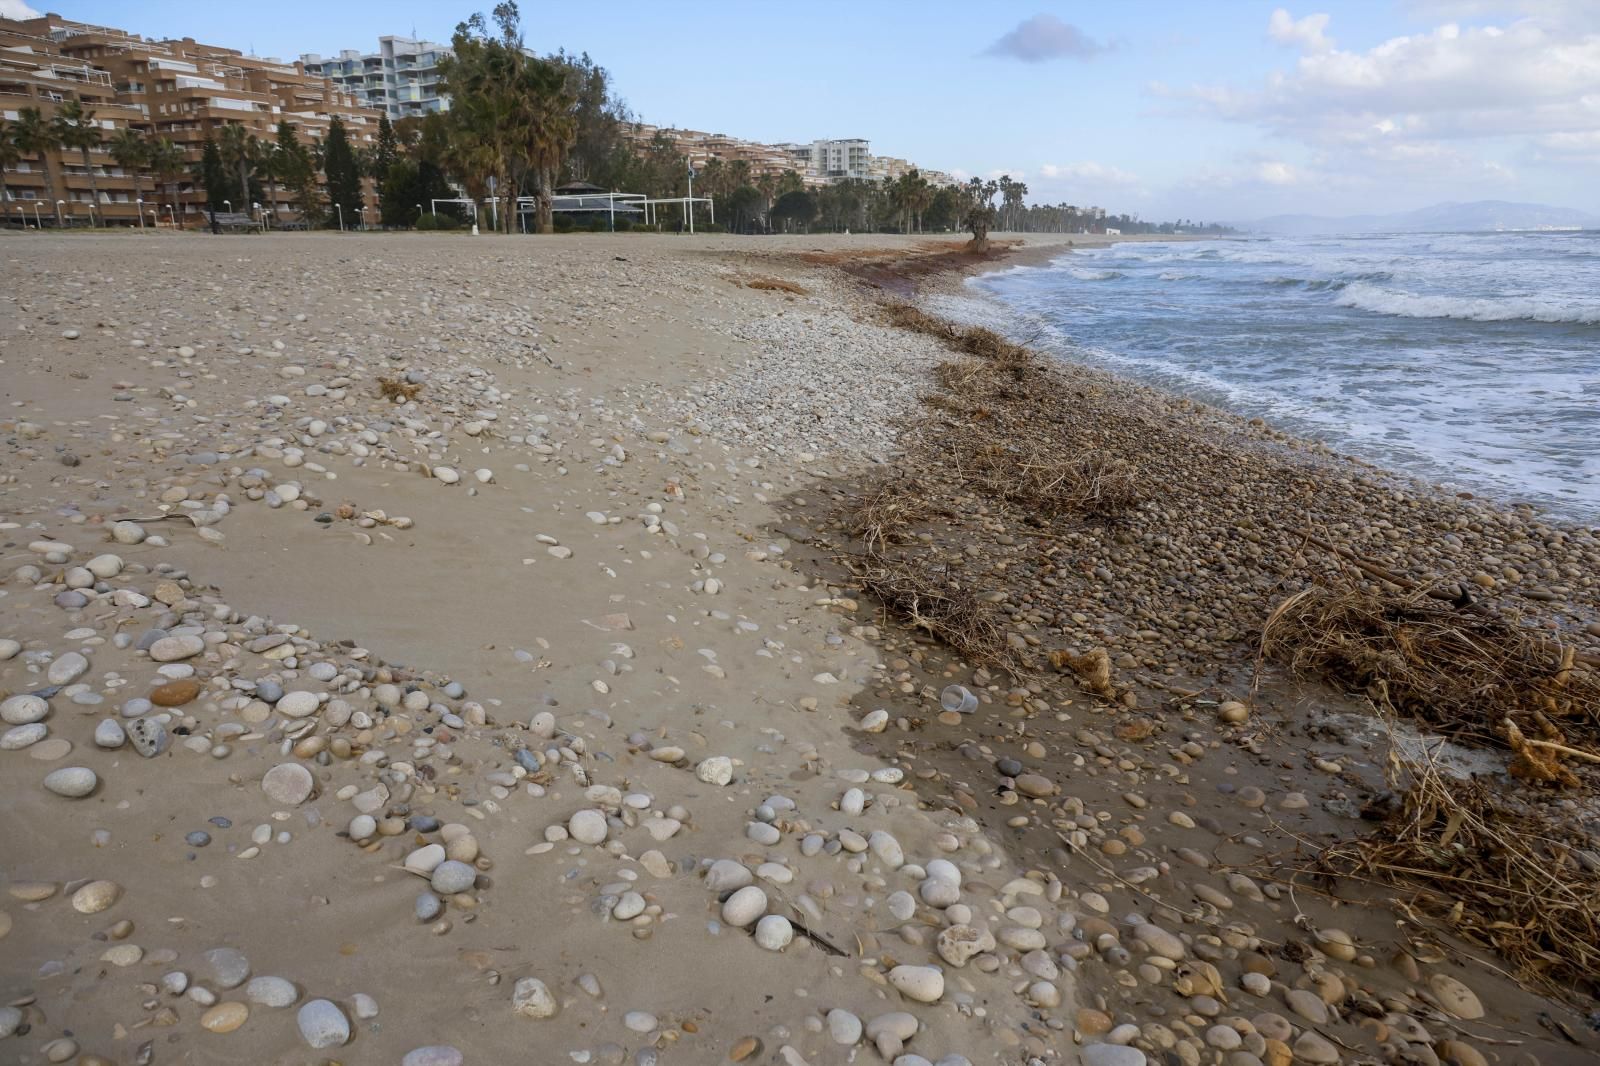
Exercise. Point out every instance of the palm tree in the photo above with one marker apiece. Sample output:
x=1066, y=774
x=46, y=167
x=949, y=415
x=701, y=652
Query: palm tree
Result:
x=75, y=128
x=131, y=150
x=34, y=136
x=238, y=147
x=168, y=161
x=10, y=156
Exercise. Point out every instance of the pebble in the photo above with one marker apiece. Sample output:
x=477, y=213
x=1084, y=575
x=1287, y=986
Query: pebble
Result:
x=322, y=1024
x=96, y=896
x=175, y=649
x=774, y=932
x=67, y=668
x=298, y=704
x=1455, y=998
x=715, y=770
x=288, y=784
x=271, y=991
x=229, y=967
x=641, y=1021
x=72, y=782
x=925, y=984
x=531, y=998
x=744, y=906
x=24, y=710
x=109, y=734
x=225, y=1017
x=588, y=827
x=451, y=877
x=434, y=1055
x=1111, y=1055
x=843, y=1027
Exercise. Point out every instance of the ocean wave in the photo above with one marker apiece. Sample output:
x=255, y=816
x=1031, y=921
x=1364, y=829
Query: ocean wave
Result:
x=1095, y=275
x=1176, y=275
x=1367, y=297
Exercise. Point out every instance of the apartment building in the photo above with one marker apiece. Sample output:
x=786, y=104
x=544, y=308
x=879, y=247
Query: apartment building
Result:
x=180, y=89
x=401, y=77
x=700, y=148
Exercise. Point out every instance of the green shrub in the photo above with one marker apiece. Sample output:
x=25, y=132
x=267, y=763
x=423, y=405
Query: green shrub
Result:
x=624, y=225
x=437, y=222
x=597, y=224
x=562, y=223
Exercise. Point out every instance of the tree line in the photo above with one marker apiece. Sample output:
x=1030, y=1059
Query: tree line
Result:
x=520, y=125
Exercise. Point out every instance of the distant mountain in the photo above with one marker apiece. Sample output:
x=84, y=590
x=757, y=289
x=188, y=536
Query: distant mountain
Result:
x=1440, y=218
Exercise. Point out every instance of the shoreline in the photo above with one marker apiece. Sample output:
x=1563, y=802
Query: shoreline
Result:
x=1438, y=483
x=568, y=617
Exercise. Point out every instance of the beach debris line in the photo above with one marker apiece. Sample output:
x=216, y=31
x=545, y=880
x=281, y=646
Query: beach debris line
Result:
x=1470, y=673
x=1497, y=871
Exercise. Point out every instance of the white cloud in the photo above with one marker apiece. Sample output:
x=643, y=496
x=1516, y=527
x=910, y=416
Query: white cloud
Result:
x=16, y=9
x=1307, y=33
x=1088, y=172
x=1455, y=102
x=1277, y=173
x=1002, y=172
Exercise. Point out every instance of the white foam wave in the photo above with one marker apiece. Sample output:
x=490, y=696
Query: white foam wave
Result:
x=1176, y=275
x=1094, y=275
x=1365, y=297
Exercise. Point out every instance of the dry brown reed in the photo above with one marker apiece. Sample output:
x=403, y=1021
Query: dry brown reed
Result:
x=883, y=511
x=1465, y=670
x=398, y=391
x=773, y=285
x=1500, y=875
x=925, y=598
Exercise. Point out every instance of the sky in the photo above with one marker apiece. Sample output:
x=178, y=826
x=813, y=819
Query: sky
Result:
x=1226, y=110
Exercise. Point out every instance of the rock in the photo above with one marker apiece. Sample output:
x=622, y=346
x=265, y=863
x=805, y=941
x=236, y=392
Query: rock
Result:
x=1314, y=1048
x=105, y=566
x=10, y=1021
x=744, y=1048
x=435, y=1055
x=229, y=967
x=109, y=734
x=298, y=704
x=288, y=784
x=1308, y=1005
x=24, y=710
x=1455, y=998
x=322, y=1024
x=843, y=1027
x=1035, y=785
x=1159, y=941
x=127, y=532
x=725, y=874
x=530, y=998
x=875, y=721
x=887, y=849
x=744, y=906
x=174, y=649
x=1233, y=712
x=73, y=782
x=715, y=770
x=588, y=826
x=447, y=474
x=925, y=984
x=224, y=1017
x=67, y=668
x=774, y=932
x=426, y=859
x=451, y=877
x=175, y=693
x=148, y=736
x=957, y=944
x=1111, y=1055
x=23, y=736
x=96, y=896
x=271, y=991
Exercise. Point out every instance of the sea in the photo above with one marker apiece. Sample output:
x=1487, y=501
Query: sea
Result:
x=1469, y=360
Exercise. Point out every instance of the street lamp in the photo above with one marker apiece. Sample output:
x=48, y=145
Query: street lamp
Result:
x=155, y=218
x=260, y=217
x=59, y=205
x=228, y=204
x=139, y=207
x=172, y=217
x=340, y=208
x=36, y=223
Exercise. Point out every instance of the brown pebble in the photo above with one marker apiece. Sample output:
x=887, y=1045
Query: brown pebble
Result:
x=745, y=1048
x=1093, y=1022
x=175, y=693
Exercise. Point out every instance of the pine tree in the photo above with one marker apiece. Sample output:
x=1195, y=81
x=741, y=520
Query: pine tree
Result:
x=342, y=173
x=386, y=151
x=213, y=177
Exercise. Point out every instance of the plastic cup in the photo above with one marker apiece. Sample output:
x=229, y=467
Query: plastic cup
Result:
x=958, y=698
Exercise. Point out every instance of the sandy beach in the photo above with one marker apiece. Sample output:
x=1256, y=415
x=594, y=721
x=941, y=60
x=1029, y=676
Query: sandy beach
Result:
x=430, y=649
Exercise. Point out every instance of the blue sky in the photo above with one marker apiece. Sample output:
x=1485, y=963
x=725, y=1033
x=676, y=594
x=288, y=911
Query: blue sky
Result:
x=1203, y=110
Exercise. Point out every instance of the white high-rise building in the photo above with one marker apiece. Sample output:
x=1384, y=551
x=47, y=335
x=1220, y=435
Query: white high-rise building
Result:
x=401, y=77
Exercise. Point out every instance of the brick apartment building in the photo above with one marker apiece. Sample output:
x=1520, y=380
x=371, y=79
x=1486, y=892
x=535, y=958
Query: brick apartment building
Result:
x=182, y=90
